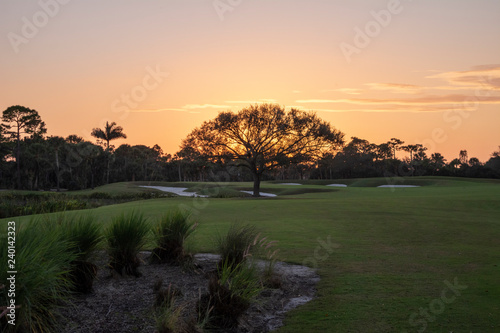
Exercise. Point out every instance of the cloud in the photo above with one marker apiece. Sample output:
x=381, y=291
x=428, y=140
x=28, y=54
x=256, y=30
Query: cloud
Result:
x=486, y=77
x=424, y=100
x=204, y=106
x=350, y=91
x=395, y=87
x=296, y=91
x=154, y=110
x=262, y=100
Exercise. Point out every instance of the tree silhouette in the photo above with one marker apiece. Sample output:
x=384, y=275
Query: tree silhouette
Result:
x=110, y=132
x=19, y=120
x=263, y=137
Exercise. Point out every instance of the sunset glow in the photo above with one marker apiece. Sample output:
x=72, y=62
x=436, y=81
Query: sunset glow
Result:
x=422, y=71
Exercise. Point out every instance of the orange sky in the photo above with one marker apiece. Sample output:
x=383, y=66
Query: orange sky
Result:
x=423, y=71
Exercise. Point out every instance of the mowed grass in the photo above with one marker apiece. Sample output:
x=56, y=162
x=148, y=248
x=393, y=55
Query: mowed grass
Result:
x=386, y=253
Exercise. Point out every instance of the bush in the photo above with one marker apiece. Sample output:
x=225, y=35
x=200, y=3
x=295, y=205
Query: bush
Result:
x=170, y=235
x=42, y=285
x=126, y=236
x=237, y=244
x=230, y=293
x=84, y=236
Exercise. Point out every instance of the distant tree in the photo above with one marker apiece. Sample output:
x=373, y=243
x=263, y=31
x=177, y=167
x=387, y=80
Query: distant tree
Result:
x=463, y=158
x=264, y=137
x=19, y=120
x=437, y=162
x=110, y=132
x=56, y=143
x=73, y=138
x=414, y=151
x=474, y=161
x=384, y=151
x=395, y=144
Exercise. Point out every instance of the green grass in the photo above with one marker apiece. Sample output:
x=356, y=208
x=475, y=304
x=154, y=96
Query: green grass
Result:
x=42, y=260
x=390, y=249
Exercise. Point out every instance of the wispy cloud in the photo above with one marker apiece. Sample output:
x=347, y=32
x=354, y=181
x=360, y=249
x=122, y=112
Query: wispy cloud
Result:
x=154, y=110
x=257, y=101
x=424, y=100
x=349, y=91
x=204, y=106
x=483, y=77
x=398, y=88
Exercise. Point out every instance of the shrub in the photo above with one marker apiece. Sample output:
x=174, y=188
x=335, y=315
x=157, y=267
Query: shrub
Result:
x=170, y=234
x=42, y=284
x=230, y=293
x=125, y=237
x=236, y=245
x=84, y=234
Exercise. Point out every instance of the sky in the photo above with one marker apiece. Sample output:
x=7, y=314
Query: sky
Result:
x=423, y=71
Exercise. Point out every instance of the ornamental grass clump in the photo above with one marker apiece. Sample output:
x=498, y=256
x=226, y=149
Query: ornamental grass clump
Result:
x=125, y=238
x=169, y=236
x=42, y=261
x=230, y=293
x=237, y=245
x=84, y=234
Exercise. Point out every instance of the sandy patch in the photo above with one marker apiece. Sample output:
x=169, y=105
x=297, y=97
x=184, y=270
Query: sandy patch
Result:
x=262, y=194
x=181, y=191
x=397, y=186
x=337, y=185
x=289, y=184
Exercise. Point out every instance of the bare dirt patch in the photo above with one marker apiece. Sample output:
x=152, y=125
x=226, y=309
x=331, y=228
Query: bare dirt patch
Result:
x=125, y=303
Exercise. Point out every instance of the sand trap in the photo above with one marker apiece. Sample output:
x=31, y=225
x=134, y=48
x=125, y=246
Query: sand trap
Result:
x=262, y=194
x=289, y=184
x=392, y=186
x=181, y=191
x=337, y=185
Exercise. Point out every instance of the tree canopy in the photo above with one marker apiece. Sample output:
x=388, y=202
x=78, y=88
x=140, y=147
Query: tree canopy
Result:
x=263, y=137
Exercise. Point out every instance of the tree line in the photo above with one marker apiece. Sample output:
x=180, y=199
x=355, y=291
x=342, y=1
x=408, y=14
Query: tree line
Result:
x=260, y=142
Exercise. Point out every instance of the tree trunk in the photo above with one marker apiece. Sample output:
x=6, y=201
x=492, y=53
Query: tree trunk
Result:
x=18, y=157
x=57, y=170
x=256, y=185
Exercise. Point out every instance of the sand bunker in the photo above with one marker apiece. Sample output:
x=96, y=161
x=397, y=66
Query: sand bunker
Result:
x=393, y=186
x=262, y=194
x=181, y=191
x=289, y=184
x=337, y=185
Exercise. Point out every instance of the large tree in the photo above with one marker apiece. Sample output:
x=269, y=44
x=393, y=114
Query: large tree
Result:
x=110, y=132
x=19, y=120
x=263, y=137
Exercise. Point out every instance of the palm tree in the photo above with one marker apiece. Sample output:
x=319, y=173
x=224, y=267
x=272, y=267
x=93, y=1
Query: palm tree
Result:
x=110, y=132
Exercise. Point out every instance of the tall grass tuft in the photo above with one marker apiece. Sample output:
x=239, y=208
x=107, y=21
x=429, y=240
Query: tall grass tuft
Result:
x=42, y=284
x=230, y=293
x=125, y=237
x=84, y=234
x=169, y=235
x=237, y=244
